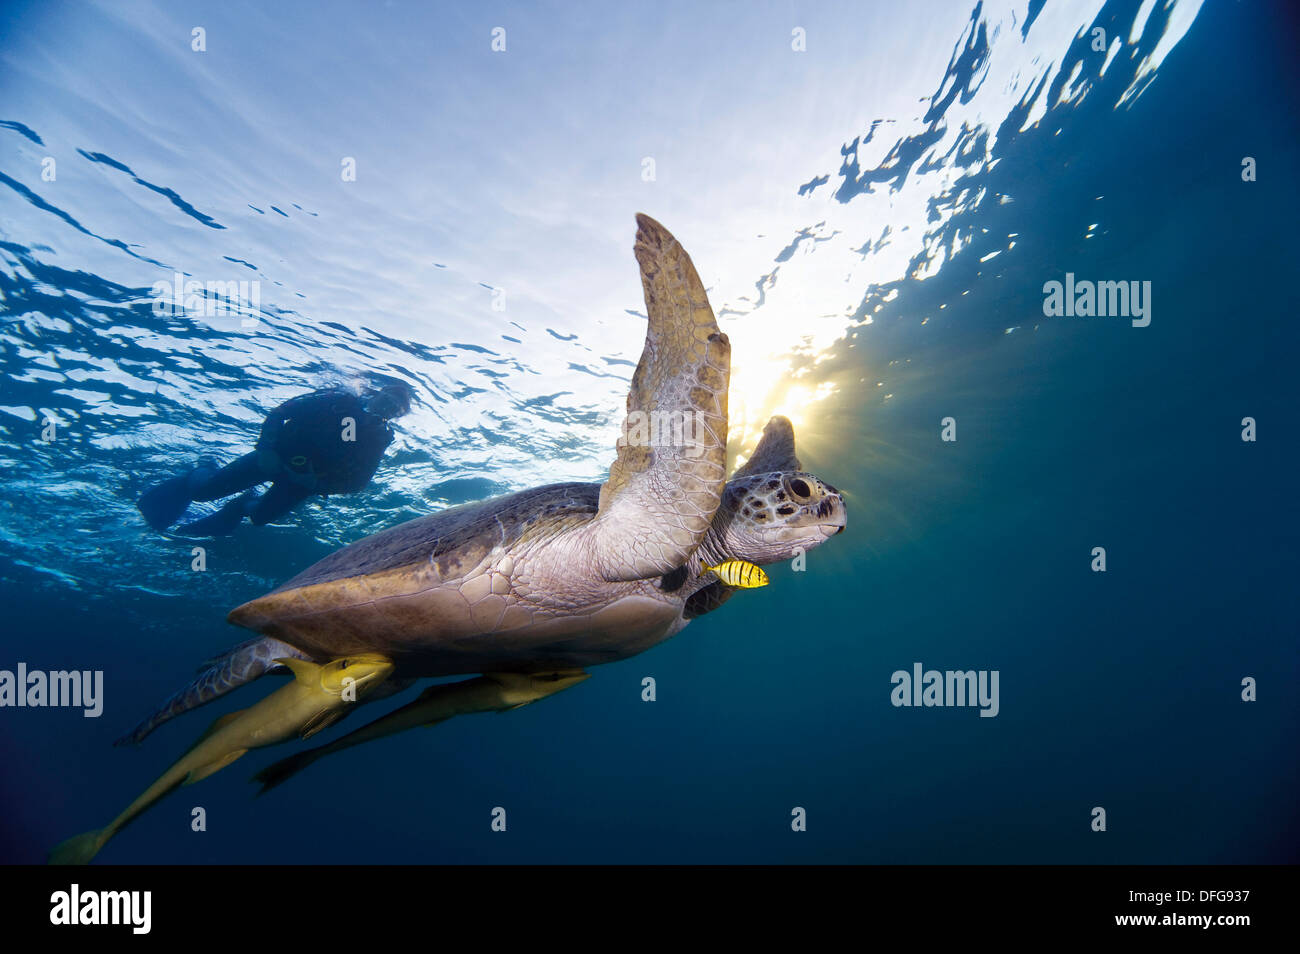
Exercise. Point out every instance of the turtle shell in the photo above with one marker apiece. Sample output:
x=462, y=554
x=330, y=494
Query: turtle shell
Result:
x=421, y=585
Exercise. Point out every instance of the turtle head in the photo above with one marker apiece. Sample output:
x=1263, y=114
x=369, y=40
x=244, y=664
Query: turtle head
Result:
x=766, y=518
x=364, y=670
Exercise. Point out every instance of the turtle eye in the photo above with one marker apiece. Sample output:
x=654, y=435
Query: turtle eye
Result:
x=799, y=487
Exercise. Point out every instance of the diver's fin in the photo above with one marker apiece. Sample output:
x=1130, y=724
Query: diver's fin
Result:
x=163, y=505
x=199, y=774
x=321, y=720
x=304, y=670
x=79, y=849
x=221, y=522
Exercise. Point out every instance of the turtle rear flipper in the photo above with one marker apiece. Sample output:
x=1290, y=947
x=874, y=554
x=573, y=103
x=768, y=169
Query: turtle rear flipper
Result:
x=667, y=479
x=238, y=666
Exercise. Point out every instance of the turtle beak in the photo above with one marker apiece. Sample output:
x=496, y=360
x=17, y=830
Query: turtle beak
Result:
x=834, y=515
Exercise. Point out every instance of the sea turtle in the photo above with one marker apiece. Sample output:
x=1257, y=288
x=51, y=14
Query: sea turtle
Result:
x=565, y=576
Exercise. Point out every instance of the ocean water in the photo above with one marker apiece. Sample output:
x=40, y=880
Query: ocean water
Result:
x=875, y=195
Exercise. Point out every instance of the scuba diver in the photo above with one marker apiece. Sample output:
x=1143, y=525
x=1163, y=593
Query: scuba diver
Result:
x=325, y=442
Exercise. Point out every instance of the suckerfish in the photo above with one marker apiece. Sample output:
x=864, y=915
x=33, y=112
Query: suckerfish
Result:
x=318, y=697
x=487, y=693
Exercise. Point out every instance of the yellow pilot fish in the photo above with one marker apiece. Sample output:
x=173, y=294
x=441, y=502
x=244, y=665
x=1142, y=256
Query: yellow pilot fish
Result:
x=739, y=573
x=317, y=697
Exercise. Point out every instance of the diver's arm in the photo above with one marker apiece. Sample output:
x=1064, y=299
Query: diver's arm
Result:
x=302, y=406
x=371, y=457
x=274, y=423
x=354, y=470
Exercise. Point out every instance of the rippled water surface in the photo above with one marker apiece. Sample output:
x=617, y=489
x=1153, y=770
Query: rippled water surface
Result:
x=875, y=216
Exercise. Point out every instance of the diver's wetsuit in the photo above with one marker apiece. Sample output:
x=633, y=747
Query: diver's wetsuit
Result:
x=302, y=450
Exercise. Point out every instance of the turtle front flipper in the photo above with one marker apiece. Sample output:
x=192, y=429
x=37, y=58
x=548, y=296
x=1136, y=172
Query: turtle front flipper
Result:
x=775, y=451
x=667, y=479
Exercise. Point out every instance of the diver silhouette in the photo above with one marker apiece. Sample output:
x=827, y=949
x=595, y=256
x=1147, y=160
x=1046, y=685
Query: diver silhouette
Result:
x=325, y=442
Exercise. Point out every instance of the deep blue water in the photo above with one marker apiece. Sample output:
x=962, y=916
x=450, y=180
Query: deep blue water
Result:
x=845, y=205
